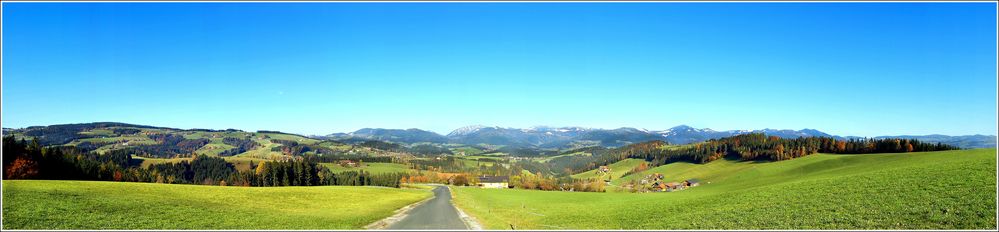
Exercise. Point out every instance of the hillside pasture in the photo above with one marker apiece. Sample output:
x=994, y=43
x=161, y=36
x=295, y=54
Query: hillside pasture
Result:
x=618, y=169
x=926, y=190
x=145, y=162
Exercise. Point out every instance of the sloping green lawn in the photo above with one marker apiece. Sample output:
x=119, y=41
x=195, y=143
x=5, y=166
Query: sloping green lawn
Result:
x=44, y=204
x=929, y=190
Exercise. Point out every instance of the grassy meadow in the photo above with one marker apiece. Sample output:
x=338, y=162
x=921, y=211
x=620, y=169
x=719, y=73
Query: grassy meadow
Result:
x=44, y=204
x=928, y=190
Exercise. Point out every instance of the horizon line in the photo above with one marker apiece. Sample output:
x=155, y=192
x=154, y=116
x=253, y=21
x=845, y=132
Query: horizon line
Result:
x=483, y=126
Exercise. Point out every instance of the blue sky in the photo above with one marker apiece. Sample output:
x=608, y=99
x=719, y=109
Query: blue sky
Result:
x=860, y=69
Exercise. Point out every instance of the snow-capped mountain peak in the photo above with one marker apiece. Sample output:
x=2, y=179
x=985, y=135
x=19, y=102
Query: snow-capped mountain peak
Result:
x=466, y=130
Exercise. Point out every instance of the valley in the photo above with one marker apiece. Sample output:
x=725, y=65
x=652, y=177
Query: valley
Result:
x=751, y=180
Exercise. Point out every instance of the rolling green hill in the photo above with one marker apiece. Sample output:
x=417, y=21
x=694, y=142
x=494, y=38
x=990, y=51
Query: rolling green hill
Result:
x=43, y=204
x=926, y=190
x=163, y=145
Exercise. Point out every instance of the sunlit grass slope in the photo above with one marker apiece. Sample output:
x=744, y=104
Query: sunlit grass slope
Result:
x=930, y=190
x=618, y=169
x=43, y=204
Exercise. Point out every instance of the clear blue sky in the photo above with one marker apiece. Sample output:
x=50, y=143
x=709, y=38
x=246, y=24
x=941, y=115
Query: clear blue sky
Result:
x=860, y=69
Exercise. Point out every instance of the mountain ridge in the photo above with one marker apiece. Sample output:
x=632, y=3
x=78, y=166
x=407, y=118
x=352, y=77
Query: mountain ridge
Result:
x=544, y=136
x=575, y=136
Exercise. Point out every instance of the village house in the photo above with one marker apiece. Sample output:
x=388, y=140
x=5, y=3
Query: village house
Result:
x=604, y=169
x=494, y=181
x=662, y=186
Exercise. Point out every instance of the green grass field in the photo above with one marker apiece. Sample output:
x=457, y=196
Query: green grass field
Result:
x=42, y=204
x=466, y=150
x=930, y=190
x=473, y=161
x=373, y=168
x=617, y=170
x=213, y=148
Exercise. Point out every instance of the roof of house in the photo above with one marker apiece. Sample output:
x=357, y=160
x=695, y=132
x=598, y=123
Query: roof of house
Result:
x=493, y=179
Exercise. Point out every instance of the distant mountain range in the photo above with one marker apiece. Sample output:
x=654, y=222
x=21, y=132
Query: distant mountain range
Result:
x=567, y=137
x=540, y=137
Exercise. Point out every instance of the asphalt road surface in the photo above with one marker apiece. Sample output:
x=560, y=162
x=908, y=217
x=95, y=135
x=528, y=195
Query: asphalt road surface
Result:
x=437, y=213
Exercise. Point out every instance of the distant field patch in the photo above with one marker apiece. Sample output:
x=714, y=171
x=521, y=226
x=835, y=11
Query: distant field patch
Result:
x=373, y=168
x=466, y=150
x=546, y=159
x=89, y=205
x=617, y=170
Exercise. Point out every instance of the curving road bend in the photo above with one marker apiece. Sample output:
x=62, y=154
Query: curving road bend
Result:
x=437, y=213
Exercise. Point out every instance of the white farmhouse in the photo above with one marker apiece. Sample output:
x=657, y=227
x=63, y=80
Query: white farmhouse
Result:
x=494, y=181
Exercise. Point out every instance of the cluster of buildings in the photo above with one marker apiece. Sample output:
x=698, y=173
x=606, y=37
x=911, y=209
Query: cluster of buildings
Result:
x=603, y=169
x=349, y=164
x=494, y=181
x=656, y=183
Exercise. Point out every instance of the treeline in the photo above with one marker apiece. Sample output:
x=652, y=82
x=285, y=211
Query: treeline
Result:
x=333, y=158
x=306, y=173
x=539, y=181
x=125, y=131
x=23, y=160
x=758, y=146
x=88, y=146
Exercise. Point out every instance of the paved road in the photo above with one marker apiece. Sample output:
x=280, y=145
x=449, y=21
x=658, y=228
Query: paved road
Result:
x=437, y=213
